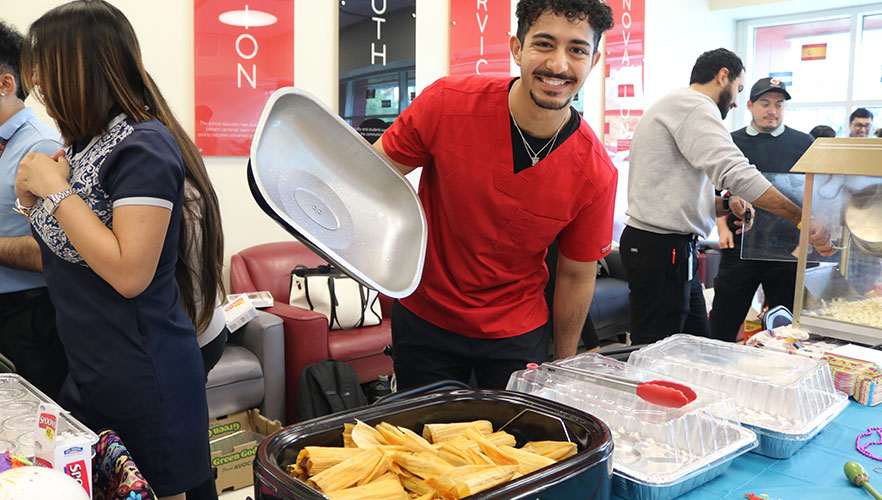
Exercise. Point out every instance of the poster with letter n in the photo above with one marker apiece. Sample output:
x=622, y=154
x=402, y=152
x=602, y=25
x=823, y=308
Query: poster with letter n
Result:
x=479, y=35
x=244, y=50
x=624, y=76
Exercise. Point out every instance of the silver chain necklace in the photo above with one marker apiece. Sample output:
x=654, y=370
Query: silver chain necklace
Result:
x=534, y=155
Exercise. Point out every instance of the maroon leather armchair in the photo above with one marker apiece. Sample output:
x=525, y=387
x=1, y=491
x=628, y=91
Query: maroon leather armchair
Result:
x=307, y=337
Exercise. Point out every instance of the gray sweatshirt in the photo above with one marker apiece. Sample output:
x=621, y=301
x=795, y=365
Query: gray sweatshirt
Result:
x=679, y=152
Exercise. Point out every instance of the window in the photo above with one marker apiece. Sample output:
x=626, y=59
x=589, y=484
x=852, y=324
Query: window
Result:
x=831, y=62
x=376, y=99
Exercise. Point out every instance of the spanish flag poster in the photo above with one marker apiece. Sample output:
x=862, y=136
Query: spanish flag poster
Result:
x=814, y=52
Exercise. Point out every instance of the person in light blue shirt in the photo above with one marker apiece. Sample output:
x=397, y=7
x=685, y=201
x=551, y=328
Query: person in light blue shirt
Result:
x=28, y=335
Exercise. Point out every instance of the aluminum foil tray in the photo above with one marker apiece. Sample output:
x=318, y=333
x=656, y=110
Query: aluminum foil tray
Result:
x=660, y=453
x=786, y=400
x=19, y=401
x=586, y=475
x=322, y=182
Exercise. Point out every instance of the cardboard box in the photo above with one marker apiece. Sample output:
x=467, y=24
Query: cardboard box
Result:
x=260, y=299
x=234, y=441
x=238, y=310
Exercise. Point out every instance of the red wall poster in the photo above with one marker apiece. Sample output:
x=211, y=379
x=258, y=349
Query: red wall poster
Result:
x=479, y=35
x=244, y=50
x=624, y=76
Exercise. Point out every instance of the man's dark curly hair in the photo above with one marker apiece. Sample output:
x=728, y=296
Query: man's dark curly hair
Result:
x=10, y=56
x=711, y=62
x=598, y=14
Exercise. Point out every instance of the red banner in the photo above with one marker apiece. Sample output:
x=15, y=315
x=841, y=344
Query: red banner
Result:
x=479, y=35
x=244, y=51
x=624, y=76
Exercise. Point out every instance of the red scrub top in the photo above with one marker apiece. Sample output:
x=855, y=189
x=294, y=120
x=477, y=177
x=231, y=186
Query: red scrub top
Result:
x=489, y=228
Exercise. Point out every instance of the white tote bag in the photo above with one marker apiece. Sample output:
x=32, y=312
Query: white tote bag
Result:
x=345, y=302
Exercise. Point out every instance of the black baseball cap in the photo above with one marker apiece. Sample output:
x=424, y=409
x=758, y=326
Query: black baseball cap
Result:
x=768, y=84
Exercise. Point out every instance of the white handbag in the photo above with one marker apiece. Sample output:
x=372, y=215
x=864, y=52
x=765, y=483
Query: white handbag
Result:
x=345, y=302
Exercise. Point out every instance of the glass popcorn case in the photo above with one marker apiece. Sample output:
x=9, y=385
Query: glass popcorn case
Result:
x=840, y=295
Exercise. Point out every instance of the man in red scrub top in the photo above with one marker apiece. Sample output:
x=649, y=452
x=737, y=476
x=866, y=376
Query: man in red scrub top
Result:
x=508, y=166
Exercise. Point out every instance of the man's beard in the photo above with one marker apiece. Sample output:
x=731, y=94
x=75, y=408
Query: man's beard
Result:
x=724, y=102
x=550, y=104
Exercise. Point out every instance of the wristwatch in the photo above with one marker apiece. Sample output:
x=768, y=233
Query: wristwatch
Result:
x=726, y=206
x=50, y=203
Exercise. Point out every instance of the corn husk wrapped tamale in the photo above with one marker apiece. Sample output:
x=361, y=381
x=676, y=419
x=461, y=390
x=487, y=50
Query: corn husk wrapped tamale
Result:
x=527, y=461
x=555, y=450
x=347, y=435
x=365, y=436
x=492, y=451
x=424, y=464
x=350, y=472
x=468, y=480
x=438, y=433
x=390, y=433
x=387, y=489
x=415, y=443
x=416, y=485
x=314, y=459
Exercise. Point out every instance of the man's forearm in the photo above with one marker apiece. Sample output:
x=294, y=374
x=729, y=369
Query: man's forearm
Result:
x=20, y=252
x=775, y=202
x=572, y=298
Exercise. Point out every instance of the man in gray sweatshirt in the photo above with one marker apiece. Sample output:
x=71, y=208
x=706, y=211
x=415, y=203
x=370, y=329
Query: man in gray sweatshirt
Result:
x=680, y=151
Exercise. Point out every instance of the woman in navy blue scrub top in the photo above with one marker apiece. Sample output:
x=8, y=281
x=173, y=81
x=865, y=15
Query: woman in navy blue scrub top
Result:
x=107, y=214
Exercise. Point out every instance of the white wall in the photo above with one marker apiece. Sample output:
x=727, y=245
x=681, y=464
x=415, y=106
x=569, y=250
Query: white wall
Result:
x=677, y=31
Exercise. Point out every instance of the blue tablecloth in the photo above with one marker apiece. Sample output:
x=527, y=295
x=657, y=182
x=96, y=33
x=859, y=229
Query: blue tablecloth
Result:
x=812, y=473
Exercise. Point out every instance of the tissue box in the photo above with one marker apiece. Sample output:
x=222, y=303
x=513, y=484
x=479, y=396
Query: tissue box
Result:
x=238, y=310
x=856, y=372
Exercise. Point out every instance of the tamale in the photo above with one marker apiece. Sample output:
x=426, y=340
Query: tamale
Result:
x=365, y=436
x=527, y=461
x=315, y=459
x=453, y=455
x=492, y=451
x=347, y=435
x=438, y=433
x=427, y=496
x=555, y=450
x=424, y=464
x=415, y=443
x=475, y=457
x=380, y=469
x=480, y=477
x=500, y=438
x=388, y=489
x=391, y=433
x=348, y=472
x=417, y=485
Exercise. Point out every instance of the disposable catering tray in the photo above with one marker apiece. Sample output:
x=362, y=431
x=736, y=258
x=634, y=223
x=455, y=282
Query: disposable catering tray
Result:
x=660, y=453
x=19, y=402
x=786, y=400
x=323, y=183
x=586, y=475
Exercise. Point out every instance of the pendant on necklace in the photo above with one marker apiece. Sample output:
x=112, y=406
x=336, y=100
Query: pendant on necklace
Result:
x=535, y=160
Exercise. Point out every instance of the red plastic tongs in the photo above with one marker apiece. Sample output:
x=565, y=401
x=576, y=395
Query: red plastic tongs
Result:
x=660, y=392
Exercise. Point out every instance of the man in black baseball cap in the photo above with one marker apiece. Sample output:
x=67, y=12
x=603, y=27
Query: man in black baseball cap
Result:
x=773, y=147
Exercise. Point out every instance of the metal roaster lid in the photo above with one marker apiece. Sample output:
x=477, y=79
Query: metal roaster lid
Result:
x=321, y=181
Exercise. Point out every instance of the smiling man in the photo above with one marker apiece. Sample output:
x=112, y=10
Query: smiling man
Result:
x=680, y=151
x=508, y=166
x=860, y=122
x=773, y=148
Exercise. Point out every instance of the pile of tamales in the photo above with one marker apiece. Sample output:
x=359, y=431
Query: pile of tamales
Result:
x=449, y=461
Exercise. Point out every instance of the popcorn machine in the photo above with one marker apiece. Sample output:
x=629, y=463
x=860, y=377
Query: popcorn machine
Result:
x=841, y=296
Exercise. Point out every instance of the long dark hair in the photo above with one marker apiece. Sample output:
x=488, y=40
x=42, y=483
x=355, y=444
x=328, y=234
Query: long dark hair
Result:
x=85, y=60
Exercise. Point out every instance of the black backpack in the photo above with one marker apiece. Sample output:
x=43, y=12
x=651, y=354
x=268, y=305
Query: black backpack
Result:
x=327, y=387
